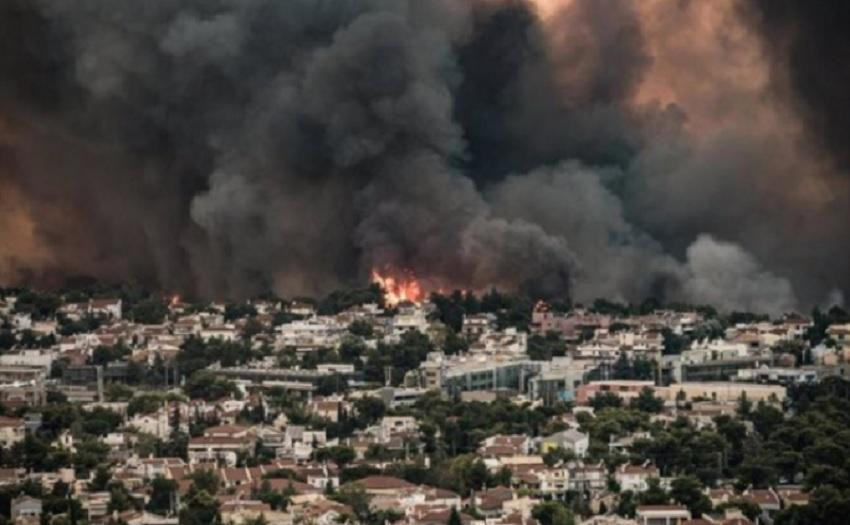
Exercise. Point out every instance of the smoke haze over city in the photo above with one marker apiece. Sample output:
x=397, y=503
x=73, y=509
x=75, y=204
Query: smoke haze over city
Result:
x=686, y=150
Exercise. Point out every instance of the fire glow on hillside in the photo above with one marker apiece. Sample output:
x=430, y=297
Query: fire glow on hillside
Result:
x=399, y=289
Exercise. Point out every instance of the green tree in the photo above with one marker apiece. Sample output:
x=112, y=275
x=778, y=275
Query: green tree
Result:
x=361, y=328
x=207, y=386
x=544, y=348
x=201, y=508
x=368, y=411
x=454, y=517
x=118, y=392
x=205, y=480
x=688, y=492
x=162, y=494
x=647, y=402
x=454, y=343
x=552, y=513
x=119, y=498
x=654, y=494
x=606, y=399
x=355, y=496
x=233, y=311
x=145, y=404
x=101, y=479
x=341, y=455
x=149, y=311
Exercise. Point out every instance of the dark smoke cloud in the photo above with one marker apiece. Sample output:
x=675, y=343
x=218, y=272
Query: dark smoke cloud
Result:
x=596, y=148
x=810, y=45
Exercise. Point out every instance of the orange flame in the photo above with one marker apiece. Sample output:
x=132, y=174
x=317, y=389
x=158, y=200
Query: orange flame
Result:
x=404, y=288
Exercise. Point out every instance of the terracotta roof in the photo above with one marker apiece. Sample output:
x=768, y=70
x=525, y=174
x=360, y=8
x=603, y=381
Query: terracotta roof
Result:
x=442, y=516
x=218, y=440
x=280, y=484
x=253, y=505
x=225, y=429
x=761, y=497
x=649, y=508
x=493, y=498
x=234, y=474
x=9, y=422
x=384, y=483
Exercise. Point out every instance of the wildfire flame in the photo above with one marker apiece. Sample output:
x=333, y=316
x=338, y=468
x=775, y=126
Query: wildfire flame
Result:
x=400, y=289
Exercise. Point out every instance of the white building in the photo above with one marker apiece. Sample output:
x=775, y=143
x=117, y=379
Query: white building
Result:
x=315, y=332
x=12, y=430
x=635, y=477
x=30, y=358
x=410, y=318
x=572, y=440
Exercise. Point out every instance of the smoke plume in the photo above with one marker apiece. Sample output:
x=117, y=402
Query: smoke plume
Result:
x=584, y=148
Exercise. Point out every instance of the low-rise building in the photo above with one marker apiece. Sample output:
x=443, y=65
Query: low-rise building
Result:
x=635, y=477
x=25, y=508
x=222, y=445
x=662, y=514
x=12, y=430
x=572, y=440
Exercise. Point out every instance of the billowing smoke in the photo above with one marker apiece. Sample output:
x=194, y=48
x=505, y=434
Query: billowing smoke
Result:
x=590, y=148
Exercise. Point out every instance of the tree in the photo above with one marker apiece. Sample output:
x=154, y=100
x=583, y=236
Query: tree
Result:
x=605, y=399
x=766, y=418
x=118, y=392
x=145, y=404
x=149, y=311
x=276, y=500
x=40, y=306
x=654, y=494
x=553, y=456
x=744, y=405
x=623, y=368
x=205, y=480
x=688, y=492
x=369, y=410
x=119, y=498
x=207, y=386
x=201, y=509
x=101, y=479
x=350, y=351
x=7, y=339
x=673, y=343
x=552, y=513
x=361, y=328
x=544, y=348
x=647, y=402
x=643, y=369
x=340, y=300
x=477, y=476
x=450, y=309
x=252, y=327
x=454, y=517
x=626, y=504
x=233, y=311
x=454, y=343
x=103, y=355
x=340, y=455
x=162, y=494
x=355, y=496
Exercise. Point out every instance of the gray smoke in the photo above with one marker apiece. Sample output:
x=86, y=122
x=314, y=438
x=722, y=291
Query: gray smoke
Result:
x=225, y=148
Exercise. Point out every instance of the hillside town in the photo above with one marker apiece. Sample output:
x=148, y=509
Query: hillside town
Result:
x=120, y=406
